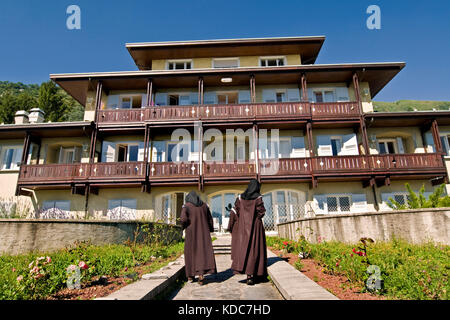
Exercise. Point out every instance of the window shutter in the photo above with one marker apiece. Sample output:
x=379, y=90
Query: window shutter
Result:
x=210, y=97
x=108, y=151
x=319, y=204
x=141, y=151
x=298, y=147
x=77, y=158
x=385, y=199
x=17, y=157
x=400, y=145
x=113, y=101
x=244, y=96
x=350, y=145
x=311, y=97
x=194, y=97
x=429, y=141
x=144, y=100
x=359, y=203
x=324, y=146
x=161, y=99
x=342, y=94
x=269, y=95
x=63, y=205
x=293, y=95
x=185, y=100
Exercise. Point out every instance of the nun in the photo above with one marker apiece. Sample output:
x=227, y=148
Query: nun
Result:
x=249, y=240
x=196, y=219
x=233, y=229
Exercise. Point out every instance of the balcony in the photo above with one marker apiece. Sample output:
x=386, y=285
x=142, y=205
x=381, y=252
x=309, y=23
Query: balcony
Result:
x=256, y=111
x=429, y=164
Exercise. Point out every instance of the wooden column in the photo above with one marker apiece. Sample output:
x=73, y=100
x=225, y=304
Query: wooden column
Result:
x=365, y=139
x=26, y=148
x=252, y=89
x=98, y=100
x=436, y=137
x=200, y=155
x=149, y=92
x=255, y=150
x=357, y=92
x=310, y=138
x=200, y=90
x=304, y=88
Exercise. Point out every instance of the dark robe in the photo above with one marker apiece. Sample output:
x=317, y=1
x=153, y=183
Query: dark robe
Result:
x=198, y=251
x=233, y=228
x=250, y=252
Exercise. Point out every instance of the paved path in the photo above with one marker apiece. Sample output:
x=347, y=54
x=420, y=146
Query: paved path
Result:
x=224, y=285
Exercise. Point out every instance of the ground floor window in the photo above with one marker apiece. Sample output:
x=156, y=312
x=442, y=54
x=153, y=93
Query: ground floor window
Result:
x=282, y=206
x=55, y=209
x=339, y=203
x=122, y=209
x=168, y=207
x=219, y=206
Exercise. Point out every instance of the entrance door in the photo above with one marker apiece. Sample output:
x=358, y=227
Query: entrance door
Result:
x=219, y=209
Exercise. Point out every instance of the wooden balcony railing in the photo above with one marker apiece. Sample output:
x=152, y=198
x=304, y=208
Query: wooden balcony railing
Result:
x=235, y=111
x=225, y=169
x=334, y=109
x=54, y=172
x=118, y=170
x=321, y=166
x=173, y=169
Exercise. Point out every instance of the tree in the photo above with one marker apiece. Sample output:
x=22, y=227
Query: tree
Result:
x=8, y=107
x=50, y=102
x=420, y=201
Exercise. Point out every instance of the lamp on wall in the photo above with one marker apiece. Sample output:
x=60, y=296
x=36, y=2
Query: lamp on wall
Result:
x=226, y=80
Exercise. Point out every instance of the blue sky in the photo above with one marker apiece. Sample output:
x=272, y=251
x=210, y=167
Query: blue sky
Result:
x=35, y=41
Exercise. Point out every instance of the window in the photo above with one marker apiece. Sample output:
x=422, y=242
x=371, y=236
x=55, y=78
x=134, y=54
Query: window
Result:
x=127, y=152
x=219, y=208
x=226, y=63
x=130, y=101
x=11, y=157
x=55, y=209
x=272, y=61
x=282, y=206
x=227, y=97
x=387, y=146
x=338, y=203
x=281, y=96
x=323, y=95
x=445, y=141
x=177, y=152
x=179, y=64
x=122, y=209
x=336, y=145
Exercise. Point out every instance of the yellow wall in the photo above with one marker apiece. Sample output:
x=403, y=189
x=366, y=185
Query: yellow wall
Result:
x=244, y=61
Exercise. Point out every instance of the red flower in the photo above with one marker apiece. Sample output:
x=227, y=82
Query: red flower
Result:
x=337, y=264
x=83, y=265
x=351, y=254
x=285, y=243
x=354, y=251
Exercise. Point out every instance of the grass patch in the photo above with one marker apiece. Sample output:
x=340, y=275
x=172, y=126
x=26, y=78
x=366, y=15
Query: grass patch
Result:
x=409, y=271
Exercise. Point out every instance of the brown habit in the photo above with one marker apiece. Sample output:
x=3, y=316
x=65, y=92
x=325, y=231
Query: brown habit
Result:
x=249, y=250
x=198, y=250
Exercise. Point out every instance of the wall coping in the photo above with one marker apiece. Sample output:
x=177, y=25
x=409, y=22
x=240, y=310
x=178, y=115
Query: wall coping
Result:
x=361, y=214
x=74, y=221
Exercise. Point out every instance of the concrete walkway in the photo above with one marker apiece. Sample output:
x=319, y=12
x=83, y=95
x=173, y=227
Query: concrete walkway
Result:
x=224, y=285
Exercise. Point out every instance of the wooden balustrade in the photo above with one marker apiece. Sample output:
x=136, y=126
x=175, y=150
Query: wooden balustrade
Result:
x=53, y=172
x=118, y=170
x=322, y=165
x=334, y=109
x=122, y=115
x=173, y=169
x=226, y=169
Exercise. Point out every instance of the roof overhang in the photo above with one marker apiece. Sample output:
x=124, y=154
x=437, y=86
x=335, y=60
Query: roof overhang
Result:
x=406, y=119
x=376, y=74
x=48, y=129
x=144, y=52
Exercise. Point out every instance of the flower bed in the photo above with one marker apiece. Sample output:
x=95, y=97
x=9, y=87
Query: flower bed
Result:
x=408, y=271
x=43, y=276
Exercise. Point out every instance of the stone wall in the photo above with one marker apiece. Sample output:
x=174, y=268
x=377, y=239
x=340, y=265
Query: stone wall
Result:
x=415, y=226
x=20, y=236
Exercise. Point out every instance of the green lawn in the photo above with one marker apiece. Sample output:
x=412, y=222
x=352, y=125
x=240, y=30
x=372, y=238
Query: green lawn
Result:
x=26, y=277
x=409, y=271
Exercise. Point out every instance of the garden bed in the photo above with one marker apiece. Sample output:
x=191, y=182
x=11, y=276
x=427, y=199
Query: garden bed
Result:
x=103, y=270
x=409, y=271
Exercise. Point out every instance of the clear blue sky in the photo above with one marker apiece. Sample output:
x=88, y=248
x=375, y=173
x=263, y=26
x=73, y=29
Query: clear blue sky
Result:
x=35, y=41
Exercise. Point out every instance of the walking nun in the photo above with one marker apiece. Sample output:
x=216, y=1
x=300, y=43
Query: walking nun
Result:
x=198, y=251
x=250, y=256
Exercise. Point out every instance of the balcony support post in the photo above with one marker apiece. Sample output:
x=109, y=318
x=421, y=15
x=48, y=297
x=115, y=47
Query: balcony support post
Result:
x=26, y=148
x=200, y=90
x=146, y=186
x=357, y=92
x=149, y=92
x=256, y=148
x=252, y=89
x=199, y=131
x=365, y=139
x=304, y=88
x=436, y=137
x=98, y=101
x=310, y=138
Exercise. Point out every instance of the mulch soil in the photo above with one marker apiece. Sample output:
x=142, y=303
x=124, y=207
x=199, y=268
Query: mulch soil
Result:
x=339, y=285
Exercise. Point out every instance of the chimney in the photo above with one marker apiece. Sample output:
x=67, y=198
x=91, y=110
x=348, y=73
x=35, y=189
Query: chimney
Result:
x=36, y=115
x=21, y=117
